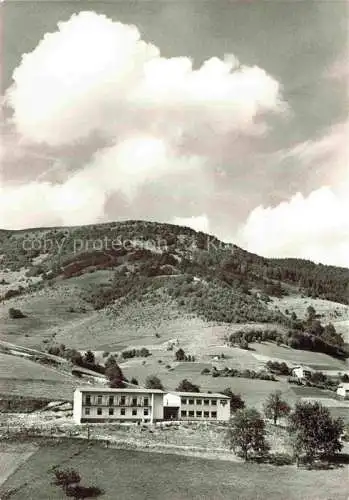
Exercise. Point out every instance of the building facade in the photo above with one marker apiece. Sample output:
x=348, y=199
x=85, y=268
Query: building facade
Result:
x=99, y=404
x=302, y=372
x=196, y=406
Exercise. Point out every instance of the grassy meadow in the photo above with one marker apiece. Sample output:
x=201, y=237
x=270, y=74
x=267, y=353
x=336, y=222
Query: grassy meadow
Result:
x=136, y=475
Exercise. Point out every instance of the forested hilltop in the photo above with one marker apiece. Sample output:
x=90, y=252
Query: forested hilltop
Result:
x=206, y=277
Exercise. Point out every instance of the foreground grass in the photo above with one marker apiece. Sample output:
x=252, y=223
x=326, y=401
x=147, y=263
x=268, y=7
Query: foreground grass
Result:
x=137, y=476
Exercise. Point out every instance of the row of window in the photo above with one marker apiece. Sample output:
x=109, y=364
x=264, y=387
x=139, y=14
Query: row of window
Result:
x=121, y=401
x=185, y=401
x=122, y=411
x=198, y=414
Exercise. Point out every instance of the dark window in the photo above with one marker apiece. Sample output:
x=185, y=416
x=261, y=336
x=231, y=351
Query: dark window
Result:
x=198, y=401
x=146, y=402
x=206, y=401
x=88, y=400
x=213, y=414
x=122, y=411
x=122, y=400
x=111, y=411
x=99, y=400
x=199, y=414
x=206, y=414
x=134, y=412
x=134, y=401
x=183, y=401
x=99, y=411
x=87, y=411
x=111, y=400
x=191, y=401
x=183, y=413
x=146, y=412
x=214, y=402
x=191, y=414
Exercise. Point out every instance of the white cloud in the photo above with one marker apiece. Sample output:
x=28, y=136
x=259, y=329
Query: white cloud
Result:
x=198, y=223
x=314, y=227
x=94, y=74
x=43, y=204
x=155, y=115
x=81, y=198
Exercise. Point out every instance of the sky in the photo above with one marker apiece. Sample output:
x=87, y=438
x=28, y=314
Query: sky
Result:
x=230, y=117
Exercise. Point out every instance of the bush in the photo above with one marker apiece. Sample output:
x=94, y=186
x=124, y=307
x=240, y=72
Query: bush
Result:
x=281, y=459
x=233, y=372
x=153, y=382
x=15, y=313
x=278, y=368
x=187, y=386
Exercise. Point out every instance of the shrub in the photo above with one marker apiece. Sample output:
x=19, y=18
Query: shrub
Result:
x=187, y=386
x=153, y=382
x=205, y=371
x=16, y=313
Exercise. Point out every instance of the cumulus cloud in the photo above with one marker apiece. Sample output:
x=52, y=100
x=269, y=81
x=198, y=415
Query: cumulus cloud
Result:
x=198, y=223
x=82, y=197
x=314, y=227
x=94, y=74
x=43, y=204
x=96, y=80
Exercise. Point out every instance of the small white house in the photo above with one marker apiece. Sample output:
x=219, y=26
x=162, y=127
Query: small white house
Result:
x=343, y=390
x=302, y=372
x=196, y=406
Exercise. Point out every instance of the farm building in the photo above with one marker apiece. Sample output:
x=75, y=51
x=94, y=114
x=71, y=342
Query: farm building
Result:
x=302, y=372
x=196, y=406
x=343, y=391
x=102, y=404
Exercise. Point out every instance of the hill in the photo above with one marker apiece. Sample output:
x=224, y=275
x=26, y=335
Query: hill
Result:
x=132, y=284
x=137, y=261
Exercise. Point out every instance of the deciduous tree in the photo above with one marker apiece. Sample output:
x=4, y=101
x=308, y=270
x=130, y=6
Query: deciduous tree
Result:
x=246, y=433
x=315, y=434
x=236, y=402
x=275, y=407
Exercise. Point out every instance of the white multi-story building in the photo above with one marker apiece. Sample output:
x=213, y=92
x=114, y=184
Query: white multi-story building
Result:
x=196, y=406
x=102, y=404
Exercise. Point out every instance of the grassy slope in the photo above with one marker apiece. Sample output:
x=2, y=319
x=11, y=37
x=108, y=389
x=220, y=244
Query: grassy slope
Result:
x=128, y=474
x=59, y=313
x=22, y=377
x=329, y=311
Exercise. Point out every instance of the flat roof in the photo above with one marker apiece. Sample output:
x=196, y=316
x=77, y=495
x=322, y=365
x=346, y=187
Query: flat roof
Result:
x=109, y=389
x=200, y=394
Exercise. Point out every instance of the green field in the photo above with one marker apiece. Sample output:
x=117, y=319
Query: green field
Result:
x=135, y=475
x=13, y=367
x=269, y=350
x=22, y=377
